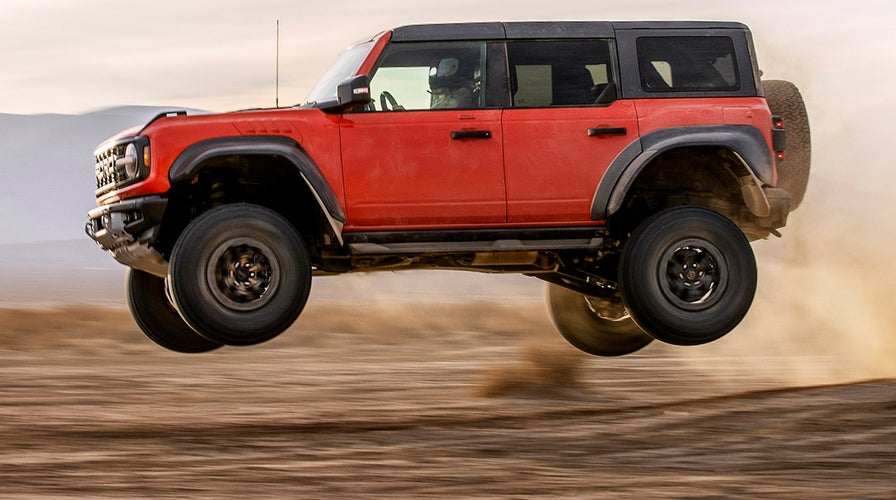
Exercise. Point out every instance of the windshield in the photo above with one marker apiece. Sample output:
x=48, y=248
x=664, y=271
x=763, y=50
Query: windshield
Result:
x=345, y=67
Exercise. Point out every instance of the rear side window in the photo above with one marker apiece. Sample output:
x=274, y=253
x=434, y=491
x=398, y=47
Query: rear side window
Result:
x=549, y=73
x=687, y=64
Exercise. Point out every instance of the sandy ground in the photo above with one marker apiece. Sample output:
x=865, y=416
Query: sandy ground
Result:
x=420, y=400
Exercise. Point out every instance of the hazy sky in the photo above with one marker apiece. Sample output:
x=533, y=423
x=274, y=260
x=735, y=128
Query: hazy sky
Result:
x=69, y=57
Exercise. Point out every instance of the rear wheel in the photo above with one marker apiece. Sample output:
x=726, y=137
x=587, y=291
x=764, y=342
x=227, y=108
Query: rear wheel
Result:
x=593, y=325
x=154, y=314
x=784, y=100
x=240, y=274
x=687, y=275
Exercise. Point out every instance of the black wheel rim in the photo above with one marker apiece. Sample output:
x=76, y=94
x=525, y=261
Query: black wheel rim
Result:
x=693, y=274
x=243, y=274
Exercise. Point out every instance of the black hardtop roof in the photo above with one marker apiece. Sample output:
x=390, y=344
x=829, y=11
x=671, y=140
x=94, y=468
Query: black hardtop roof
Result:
x=543, y=29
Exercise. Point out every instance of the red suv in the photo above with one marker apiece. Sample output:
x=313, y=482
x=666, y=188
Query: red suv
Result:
x=627, y=164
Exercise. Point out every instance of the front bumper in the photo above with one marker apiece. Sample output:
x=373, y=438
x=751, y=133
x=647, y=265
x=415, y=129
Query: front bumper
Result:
x=126, y=229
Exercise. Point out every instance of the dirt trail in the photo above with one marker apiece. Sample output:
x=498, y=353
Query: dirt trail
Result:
x=418, y=403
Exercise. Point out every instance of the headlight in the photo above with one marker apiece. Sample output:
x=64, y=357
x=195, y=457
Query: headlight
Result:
x=130, y=161
x=121, y=163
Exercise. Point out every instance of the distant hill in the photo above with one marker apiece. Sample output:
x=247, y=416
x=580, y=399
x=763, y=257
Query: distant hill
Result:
x=46, y=164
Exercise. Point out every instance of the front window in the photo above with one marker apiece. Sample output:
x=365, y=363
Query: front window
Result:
x=422, y=76
x=345, y=67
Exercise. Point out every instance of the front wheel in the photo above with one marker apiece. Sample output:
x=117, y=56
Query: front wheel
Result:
x=592, y=325
x=156, y=317
x=687, y=275
x=240, y=274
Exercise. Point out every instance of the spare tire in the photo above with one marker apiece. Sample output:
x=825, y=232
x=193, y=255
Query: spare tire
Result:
x=784, y=100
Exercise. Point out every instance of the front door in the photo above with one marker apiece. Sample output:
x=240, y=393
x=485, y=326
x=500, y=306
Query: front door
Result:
x=425, y=153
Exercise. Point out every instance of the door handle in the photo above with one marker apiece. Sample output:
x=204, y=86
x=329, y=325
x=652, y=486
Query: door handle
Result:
x=471, y=134
x=592, y=132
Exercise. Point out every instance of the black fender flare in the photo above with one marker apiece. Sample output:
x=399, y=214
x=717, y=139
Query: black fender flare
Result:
x=186, y=164
x=745, y=140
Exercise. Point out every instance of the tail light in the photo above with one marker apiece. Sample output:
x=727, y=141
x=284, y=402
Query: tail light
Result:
x=779, y=137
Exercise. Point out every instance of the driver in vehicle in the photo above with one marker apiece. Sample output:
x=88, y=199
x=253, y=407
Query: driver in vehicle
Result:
x=452, y=85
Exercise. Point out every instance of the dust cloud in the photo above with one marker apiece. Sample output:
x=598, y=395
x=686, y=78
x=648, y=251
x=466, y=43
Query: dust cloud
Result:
x=824, y=310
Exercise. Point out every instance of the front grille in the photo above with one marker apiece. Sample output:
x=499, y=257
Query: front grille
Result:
x=107, y=176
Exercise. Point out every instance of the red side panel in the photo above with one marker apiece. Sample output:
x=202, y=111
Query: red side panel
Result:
x=654, y=114
x=554, y=166
x=169, y=137
x=404, y=169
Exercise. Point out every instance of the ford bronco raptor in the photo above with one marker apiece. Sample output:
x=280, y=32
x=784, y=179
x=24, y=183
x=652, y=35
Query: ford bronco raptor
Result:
x=626, y=164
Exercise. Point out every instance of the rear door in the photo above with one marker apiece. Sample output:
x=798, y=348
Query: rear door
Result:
x=563, y=128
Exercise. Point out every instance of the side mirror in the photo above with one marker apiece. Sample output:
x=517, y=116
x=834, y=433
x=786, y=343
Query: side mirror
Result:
x=353, y=92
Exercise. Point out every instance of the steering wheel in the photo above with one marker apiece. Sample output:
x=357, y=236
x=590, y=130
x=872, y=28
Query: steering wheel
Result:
x=386, y=98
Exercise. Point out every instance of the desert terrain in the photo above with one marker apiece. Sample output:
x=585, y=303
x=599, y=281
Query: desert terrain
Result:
x=441, y=384
x=444, y=384
x=465, y=391
x=436, y=384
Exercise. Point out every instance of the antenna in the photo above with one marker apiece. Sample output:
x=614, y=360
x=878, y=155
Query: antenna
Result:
x=277, y=70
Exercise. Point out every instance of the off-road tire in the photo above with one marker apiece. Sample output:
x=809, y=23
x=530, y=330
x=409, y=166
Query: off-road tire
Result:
x=785, y=100
x=158, y=319
x=578, y=322
x=687, y=275
x=240, y=274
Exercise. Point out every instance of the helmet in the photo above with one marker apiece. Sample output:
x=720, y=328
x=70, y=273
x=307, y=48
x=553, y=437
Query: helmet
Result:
x=447, y=75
